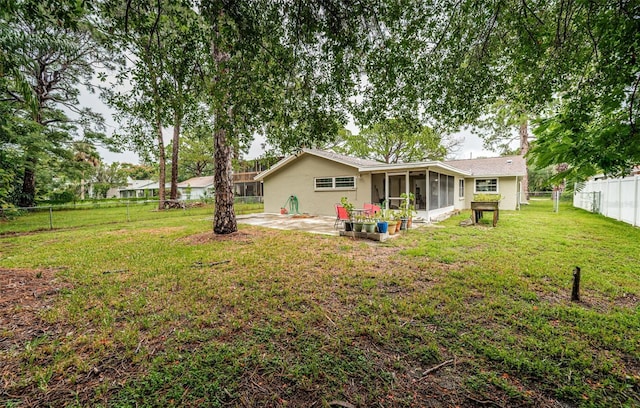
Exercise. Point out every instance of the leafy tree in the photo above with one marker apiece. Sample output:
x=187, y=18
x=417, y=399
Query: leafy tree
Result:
x=396, y=140
x=504, y=123
x=88, y=159
x=106, y=177
x=52, y=52
x=283, y=69
x=165, y=39
x=196, y=152
x=139, y=171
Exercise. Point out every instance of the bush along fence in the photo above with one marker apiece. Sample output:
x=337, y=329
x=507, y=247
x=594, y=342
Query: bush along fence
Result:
x=81, y=214
x=617, y=198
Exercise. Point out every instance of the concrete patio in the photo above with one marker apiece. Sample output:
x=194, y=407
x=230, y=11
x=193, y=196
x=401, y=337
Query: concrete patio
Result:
x=316, y=224
x=309, y=223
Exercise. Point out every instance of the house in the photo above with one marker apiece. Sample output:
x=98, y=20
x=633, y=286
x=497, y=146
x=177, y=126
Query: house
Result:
x=320, y=178
x=137, y=188
x=244, y=182
x=196, y=188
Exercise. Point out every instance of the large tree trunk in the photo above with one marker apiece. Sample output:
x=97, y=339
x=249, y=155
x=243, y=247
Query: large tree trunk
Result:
x=524, y=149
x=224, y=220
x=177, y=123
x=28, y=193
x=162, y=165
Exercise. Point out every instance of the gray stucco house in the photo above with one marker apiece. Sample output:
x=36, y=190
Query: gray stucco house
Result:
x=320, y=178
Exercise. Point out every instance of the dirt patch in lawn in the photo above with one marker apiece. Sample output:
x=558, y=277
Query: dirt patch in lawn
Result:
x=244, y=236
x=24, y=295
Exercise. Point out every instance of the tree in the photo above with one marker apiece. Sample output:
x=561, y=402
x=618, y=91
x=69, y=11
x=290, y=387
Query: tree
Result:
x=165, y=39
x=55, y=52
x=139, y=171
x=108, y=176
x=283, y=69
x=580, y=56
x=196, y=152
x=88, y=158
x=504, y=123
x=396, y=140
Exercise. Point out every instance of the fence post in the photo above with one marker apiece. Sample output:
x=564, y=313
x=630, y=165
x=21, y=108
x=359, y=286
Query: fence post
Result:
x=635, y=201
x=50, y=217
x=128, y=211
x=620, y=199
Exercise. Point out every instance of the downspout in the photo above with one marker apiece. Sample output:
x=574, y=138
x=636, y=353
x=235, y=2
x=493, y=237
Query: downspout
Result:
x=386, y=190
x=427, y=194
x=518, y=194
x=407, y=188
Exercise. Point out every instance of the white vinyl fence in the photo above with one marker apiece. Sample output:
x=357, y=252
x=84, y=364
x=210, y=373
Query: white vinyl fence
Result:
x=614, y=198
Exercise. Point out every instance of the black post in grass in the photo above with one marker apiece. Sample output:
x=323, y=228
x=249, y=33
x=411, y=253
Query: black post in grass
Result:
x=575, y=291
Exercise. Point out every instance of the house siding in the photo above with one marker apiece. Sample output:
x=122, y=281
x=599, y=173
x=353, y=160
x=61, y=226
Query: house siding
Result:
x=297, y=179
x=507, y=188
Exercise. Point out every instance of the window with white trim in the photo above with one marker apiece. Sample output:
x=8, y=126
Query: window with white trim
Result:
x=335, y=183
x=461, y=188
x=486, y=185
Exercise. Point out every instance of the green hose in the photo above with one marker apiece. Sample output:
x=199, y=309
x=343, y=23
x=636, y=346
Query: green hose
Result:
x=292, y=203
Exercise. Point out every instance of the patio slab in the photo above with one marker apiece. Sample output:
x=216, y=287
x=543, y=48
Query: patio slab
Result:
x=301, y=222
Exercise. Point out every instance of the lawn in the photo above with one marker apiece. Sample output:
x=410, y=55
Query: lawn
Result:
x=162, y=313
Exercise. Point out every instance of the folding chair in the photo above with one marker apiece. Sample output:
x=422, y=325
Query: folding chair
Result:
x=341, y=216
x=371, y=209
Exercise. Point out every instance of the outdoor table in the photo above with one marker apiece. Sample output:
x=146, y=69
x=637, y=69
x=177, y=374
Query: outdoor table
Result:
x=358, y=211
x=478, y=207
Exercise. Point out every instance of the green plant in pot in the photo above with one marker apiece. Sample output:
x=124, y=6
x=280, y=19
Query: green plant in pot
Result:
x=369, y=225
x=348, y=225
x=358, y=223
x=394, y=219
x=383, y=223
x=407, y=209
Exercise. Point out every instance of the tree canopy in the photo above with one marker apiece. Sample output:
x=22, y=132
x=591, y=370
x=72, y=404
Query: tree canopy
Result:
x=396, y=140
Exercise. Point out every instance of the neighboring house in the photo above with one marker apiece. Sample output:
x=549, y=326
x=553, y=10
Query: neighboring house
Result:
x=140, y=189
x=319, y=179
x=196, y=188
x=113, y=192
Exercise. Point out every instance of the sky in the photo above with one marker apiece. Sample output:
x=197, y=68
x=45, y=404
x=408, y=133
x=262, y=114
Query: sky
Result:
x=471, y=146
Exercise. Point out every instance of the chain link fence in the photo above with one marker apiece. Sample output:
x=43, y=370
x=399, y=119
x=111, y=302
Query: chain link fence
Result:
x=81, y=214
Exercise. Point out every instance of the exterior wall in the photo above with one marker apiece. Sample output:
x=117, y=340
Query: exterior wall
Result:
x=460, y=203
x=507, y=188
x=297, y=178
x=196, y=192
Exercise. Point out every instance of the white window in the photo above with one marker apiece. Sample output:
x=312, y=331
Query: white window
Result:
x=326, y=182
x=486, y=185
x=461, y=188
x=335, y=183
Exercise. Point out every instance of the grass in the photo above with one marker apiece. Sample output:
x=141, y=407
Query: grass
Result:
x=160, y=313
x=99, y=213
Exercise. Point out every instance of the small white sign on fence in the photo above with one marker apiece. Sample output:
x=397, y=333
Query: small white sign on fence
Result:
x=617, y=198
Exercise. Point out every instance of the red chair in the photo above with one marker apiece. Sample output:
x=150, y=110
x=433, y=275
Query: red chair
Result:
x=370, y=209
x=341, y=215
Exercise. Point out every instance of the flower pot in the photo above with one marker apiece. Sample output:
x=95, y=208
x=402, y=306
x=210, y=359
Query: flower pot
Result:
x=357, y=226
x=348, y=226
x=383, y=226
x=403, y=223
x=409, y=222
x=369, y=227
x=391, y=227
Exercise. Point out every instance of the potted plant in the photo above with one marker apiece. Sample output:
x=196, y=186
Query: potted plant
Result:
x=358, y=223
x=369, y=225
x=383, y=223
x=348, y=225
x=407, y=210
x=395, y=221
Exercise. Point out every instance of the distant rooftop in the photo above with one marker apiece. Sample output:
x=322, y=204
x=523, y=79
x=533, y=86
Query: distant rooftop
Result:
x=492, y=166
